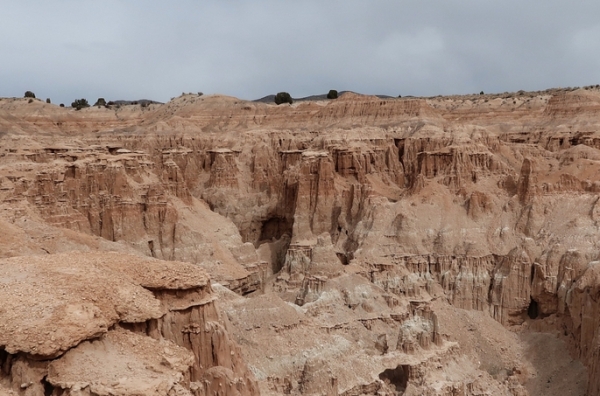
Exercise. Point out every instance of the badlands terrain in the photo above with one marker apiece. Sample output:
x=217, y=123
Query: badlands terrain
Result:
x=445, y=246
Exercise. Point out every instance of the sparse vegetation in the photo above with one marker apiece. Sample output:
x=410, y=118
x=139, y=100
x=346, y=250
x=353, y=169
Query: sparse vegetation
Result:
x=100, y=102
x=333, y=94
x=62, y=105
x=283, y=97
x=29, y=94
x=48, y=100
x=481, y=93
x=79, y=104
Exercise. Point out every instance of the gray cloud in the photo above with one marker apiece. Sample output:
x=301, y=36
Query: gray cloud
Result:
x=65, y=49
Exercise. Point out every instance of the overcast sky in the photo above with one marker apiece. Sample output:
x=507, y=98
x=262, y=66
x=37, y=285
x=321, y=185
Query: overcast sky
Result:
x=129, y=49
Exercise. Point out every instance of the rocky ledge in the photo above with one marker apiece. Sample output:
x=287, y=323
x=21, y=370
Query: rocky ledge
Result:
x=113, y=324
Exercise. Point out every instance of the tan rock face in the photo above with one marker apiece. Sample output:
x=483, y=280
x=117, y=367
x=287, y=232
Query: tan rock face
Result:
x=121, y=363
x=483, y=203
x=104, y=323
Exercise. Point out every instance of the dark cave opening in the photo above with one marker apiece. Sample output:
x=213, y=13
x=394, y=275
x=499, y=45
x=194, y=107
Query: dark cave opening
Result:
x=274, y=228
x=397, y=377
x=343, y=258
x=48, y=388
x=4, y=362
x=533, y=310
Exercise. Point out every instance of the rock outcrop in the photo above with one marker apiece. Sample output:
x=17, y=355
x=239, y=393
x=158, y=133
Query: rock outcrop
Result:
x=102, y=323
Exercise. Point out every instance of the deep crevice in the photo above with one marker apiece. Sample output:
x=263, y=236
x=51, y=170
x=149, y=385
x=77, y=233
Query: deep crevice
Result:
x=48, y=387
x=399, y=143
x=533, y=309
x=151, y=247
x=4, y=362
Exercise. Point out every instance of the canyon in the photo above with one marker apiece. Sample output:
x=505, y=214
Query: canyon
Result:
x=437, y=246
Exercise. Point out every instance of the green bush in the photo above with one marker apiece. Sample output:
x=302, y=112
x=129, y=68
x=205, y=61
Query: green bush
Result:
x=80, y=104
x=283, y=97
x=100, y=102
x=481, y=93
x=29, y=94
x=333, y=94
x=62, y=105
x=48, y=101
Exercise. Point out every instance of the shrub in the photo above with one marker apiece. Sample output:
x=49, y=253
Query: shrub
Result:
x=48, y=100
x=333, y=94
x=481, y=93
x=80, y=104
x=283, y=97
x=100, y=102
x=29, y=94
x=200, y=93
x=62, y=105
x=30, y=101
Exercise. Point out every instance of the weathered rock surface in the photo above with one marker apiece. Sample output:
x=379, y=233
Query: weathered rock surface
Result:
x=359, y=228
x=112, y=324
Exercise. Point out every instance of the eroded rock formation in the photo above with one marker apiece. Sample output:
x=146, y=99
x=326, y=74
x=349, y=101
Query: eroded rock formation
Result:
x=105, y=323
x=367, y=223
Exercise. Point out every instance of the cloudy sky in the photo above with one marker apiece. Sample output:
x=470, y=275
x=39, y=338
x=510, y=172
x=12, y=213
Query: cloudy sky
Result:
x=131, y=49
